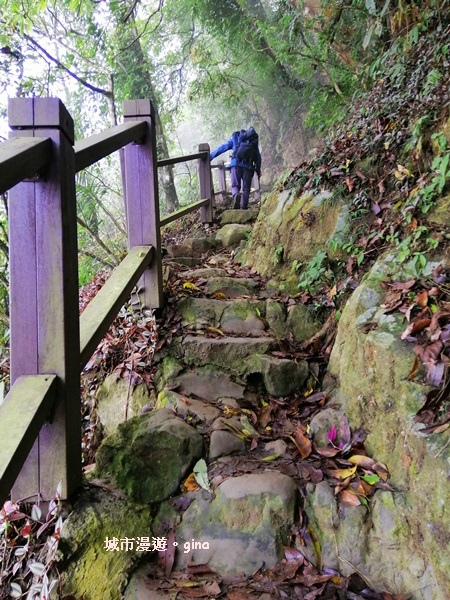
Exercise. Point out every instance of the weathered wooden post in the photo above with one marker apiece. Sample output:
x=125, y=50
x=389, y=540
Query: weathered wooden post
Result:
x=222, y=177
x=142, y=200
x=205, y=180
x=44, y=294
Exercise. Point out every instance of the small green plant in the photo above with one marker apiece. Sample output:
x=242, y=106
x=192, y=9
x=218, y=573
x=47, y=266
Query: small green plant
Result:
x=313, y=272
x=278, y=255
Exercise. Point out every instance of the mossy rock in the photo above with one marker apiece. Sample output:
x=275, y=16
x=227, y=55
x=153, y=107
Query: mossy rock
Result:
x=281, y=376
x=301, y=323
x=281, y=223
x=372, y=369
x=245, y=525
x=231, y=235
x=225, y=353
x=88, y=570
x=440, y=212
x=117, y=400
x=148, y=456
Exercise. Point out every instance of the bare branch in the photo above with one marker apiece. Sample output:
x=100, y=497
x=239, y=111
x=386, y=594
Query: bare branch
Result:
x=86, y=84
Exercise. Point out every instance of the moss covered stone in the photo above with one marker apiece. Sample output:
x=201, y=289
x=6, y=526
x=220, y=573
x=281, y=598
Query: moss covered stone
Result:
x=301, y=323
x=276, y=318
x=238, y=216
x=231, y=235
x=375, y=392
x=281, y=223
x=117, y=400
x=245, y=524
x=281, y=376
x=149, y=455
x=88, y=570
x=226, y=353
x=231, y=286
x=187, y=408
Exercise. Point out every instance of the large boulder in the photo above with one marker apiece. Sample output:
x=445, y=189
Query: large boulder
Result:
x=243, y=527
x=148, y=456
x=301, y=226
x=89, y=569
x=372, y=366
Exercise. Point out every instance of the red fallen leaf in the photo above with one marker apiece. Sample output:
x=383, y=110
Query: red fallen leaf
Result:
x=429, y=354
x=26, y=530
x=437, y=318
x=360, y=175
x=265, y=416
x=417, y=325
x=414, y=369
x=326, y=451
x=350, y=498
x=350, y=183
x=407, y=285
x=436, y=428
x=423, y=298
x=302, y=443
x=332, y=434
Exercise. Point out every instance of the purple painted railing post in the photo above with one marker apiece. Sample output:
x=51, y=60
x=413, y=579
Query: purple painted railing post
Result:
x=205, y=180
x=221, y=175
x=44, y=294
x=142, y=200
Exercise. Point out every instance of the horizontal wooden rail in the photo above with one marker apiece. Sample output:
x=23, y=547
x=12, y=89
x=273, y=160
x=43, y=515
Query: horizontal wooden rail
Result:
x=21, y=158
x=22, y=414
x=182, y=212
x=102, y=310
x=94, y=148
x=178, y=159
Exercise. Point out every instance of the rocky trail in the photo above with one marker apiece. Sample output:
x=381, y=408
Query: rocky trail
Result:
x=243, y=426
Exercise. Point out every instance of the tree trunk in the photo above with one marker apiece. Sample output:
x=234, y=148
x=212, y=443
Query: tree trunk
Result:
x=135, y=64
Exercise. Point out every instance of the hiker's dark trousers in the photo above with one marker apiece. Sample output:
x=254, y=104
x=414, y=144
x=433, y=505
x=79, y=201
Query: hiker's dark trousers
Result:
x=241, y=175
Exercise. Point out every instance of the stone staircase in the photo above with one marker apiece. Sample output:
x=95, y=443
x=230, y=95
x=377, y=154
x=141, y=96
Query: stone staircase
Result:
x=216, y=383
x=218, y=373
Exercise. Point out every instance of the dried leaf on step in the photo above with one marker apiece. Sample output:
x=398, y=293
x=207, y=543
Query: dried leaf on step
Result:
x=190, y=485
x=350, y=498
x=342, y=473
x=219, y=295
x=190, y=286
x=302, y=443
x=215, y=330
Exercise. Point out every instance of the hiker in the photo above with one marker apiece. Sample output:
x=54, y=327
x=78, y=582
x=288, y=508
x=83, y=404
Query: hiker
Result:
x=245, y=160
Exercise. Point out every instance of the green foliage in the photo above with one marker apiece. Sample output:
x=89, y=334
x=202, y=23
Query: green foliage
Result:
x=315, y=270
x=278, y=255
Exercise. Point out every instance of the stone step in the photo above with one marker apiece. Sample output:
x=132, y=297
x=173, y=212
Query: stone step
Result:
x=238, y=216
x=193, y=247
x=212, y=367
x=244, y=316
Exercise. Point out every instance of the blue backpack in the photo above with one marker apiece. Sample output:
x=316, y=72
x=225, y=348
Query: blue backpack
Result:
x=246, y=147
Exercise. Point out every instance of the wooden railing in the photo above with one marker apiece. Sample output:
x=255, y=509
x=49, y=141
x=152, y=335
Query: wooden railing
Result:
x=40, y=427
